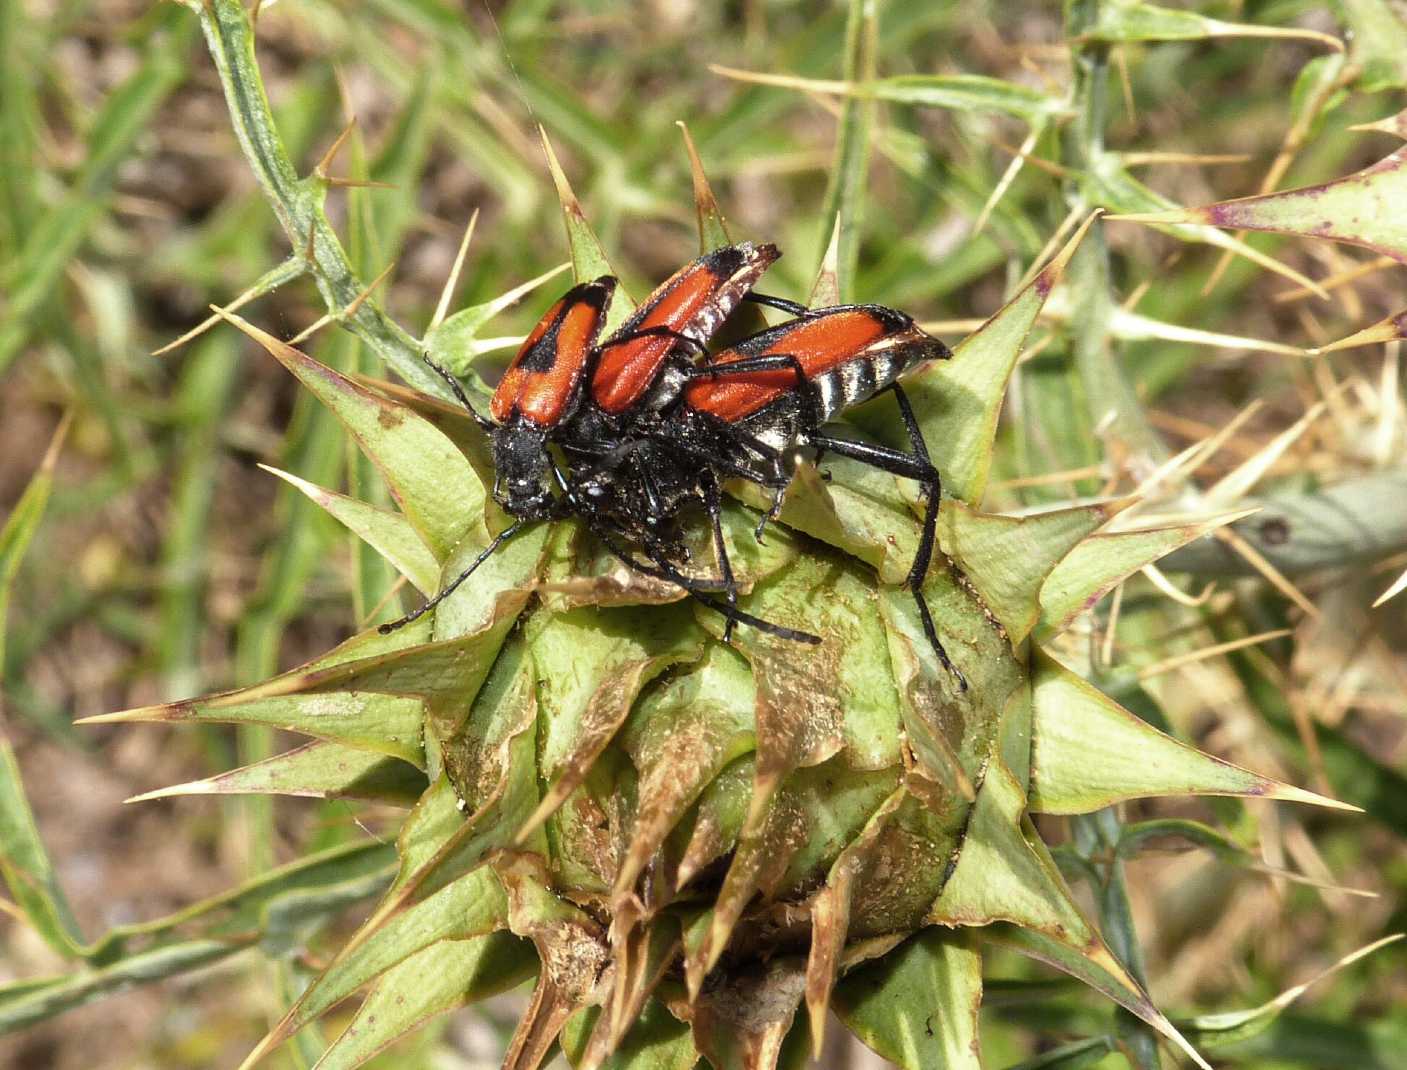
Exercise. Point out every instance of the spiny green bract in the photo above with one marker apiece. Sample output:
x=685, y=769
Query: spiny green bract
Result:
x=687, y=842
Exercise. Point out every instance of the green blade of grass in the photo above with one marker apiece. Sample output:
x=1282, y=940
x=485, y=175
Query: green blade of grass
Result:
x=24, y=861
x=19, y=124
x=844, y=203
x=56, y=237
x=36, y=1004
x=298, y=203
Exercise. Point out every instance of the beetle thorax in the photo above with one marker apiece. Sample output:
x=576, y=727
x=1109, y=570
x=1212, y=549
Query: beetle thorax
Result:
x=521, y=461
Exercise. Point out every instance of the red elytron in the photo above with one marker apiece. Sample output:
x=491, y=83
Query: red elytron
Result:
x=674, y=322
x=543, y=381
x=843, y=356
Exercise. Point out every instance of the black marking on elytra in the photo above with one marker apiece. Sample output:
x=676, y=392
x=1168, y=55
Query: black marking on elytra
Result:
x=726, y=262
x=542, y=357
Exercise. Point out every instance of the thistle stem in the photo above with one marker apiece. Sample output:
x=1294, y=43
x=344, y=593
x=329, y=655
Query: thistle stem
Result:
x=1110, y=402
x=298, y=203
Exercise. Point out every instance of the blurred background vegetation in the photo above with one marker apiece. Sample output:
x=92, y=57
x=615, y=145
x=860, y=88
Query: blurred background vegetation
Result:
x=169, y=564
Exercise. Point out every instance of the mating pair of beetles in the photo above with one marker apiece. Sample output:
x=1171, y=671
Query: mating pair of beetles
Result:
x=649, y=424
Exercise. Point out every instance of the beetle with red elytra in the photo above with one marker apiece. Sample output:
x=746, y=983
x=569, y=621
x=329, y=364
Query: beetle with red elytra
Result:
x=651, y=426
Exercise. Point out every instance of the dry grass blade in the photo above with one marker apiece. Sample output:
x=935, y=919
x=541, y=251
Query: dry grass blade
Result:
x=1337, y=280
x=452, y=282
x=1388, y=405
x=831, y=86
x=1139, y=159
x=1184, y=463
x=1233, y=486
x=1021, y=155
x=1397, y=587
x=1159, y=579
x=1257, y=561
x=1215, y=650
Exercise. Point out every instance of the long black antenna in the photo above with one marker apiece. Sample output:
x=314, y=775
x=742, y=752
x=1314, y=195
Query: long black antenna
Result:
x=454, y=384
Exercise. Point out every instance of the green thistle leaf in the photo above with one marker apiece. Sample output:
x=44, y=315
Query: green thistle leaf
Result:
x=1132, y=20
x=381, y=724
x=965, y=92
x=1359, y=209
x=1095, y=567
x=319, y=770
x=398, y=931
x=34, y=1001
x=429, y=478
x=448, y=974
x=917, y=1007
x=389, y=534
x=1008, y=559
x=803, y=708
x=591, y=665
x=680, y=737
x=1089, y=752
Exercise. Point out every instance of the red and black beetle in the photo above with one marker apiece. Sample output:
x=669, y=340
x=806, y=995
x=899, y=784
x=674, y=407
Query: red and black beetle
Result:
x=538, y=393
